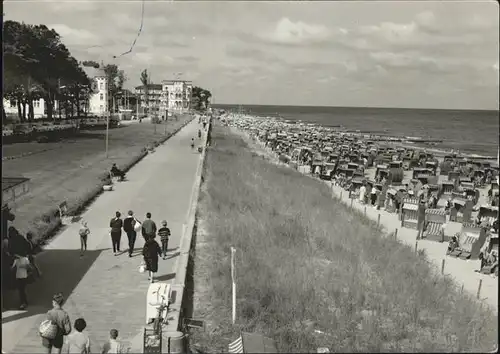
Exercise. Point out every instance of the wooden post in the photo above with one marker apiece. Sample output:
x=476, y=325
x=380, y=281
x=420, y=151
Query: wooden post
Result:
x=365, y=209
x=479, y=288
x=341, y=194
x=462, y=289
x=416, y=246
x=351, y=203
x=396, y=234
x=442, y=266
x=378, y=221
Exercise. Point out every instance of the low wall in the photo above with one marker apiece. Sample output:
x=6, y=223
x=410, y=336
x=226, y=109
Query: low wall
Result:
x=181, y=270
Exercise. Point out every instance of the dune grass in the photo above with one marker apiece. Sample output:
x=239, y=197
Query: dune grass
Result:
x=306, y=262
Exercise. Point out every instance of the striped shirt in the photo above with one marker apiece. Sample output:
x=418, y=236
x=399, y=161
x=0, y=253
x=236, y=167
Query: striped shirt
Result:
x=164, y=233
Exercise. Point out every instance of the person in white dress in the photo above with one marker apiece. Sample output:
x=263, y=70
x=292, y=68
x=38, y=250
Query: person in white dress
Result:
x=362, y=193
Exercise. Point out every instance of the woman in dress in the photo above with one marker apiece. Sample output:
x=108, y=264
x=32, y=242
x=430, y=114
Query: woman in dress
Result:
x=151, y=251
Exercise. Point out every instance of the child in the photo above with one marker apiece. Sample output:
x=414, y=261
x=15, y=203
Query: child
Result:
x=113, y=345
x=78, y=342
x=84, y=232
x=164, y=233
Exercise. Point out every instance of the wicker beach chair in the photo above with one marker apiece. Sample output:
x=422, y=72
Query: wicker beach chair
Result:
x=434, y=221
x=409, y=213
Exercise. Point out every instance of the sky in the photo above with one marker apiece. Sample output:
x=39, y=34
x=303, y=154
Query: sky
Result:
x=423, y=54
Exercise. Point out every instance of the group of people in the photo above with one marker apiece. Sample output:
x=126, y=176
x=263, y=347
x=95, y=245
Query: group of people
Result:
x=130, y=225
x=75, y=338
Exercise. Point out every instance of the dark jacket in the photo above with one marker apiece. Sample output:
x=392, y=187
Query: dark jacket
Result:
x=151, y=251
x=116, y=225
x=128, y=224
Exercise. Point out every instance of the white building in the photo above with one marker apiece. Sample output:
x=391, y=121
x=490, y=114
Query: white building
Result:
x=176, y=95
x=153, y=103
x=39, y=108
x=98, y=100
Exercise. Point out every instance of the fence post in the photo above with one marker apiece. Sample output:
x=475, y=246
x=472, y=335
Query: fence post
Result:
x=341, y=194
x=396, y=234
x=365, y=209
x=479, y=288
x=416, y=246
x=351, y=203
x=442, y=266
x=378, y=221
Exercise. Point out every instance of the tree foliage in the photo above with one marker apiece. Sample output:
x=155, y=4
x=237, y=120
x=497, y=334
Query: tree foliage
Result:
x=91, y=63
x=200, y=98
x=38, y=65
x=116, y=79
x=145, y=80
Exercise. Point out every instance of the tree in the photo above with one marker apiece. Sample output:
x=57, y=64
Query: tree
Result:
x=116, y=79
x=145, y=80
x=91, y=63
x=200, y=98
x=36, y=65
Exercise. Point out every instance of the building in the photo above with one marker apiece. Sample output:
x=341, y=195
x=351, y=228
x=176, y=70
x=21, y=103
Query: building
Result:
x=176, y=95
x=39, y=108
x=153, y=102
x=98, y=100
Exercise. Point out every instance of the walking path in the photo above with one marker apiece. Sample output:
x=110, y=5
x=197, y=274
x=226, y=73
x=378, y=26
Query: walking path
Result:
x=108, y=291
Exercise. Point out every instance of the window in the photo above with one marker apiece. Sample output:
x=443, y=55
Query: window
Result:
x=101, y=96
x=101, y=108
x=101, y=86
x=36, y=103
x=13, y=103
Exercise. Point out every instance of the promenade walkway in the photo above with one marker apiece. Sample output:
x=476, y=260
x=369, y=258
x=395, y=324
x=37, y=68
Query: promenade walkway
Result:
x=108, y=291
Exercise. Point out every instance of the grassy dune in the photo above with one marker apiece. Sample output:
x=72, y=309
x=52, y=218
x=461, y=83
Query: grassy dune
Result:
x=305, y=262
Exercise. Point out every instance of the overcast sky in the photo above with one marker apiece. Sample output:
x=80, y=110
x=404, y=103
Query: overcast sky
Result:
x=383, y=54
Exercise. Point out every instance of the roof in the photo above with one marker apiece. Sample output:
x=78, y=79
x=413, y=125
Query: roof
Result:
x=11, y=182
x=174, y=81
x=150, y=86
x=93, y=72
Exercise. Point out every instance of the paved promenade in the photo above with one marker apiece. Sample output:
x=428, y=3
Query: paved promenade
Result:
x=108, y=291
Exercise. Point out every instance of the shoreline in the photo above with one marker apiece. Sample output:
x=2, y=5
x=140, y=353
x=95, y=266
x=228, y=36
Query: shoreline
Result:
x=390, y=139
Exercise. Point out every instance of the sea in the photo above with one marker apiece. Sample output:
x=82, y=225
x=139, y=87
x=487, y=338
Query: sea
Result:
x=471, y=132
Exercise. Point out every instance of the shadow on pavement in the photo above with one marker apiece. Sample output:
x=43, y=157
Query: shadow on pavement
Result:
x=62, y=271
x=165, y=277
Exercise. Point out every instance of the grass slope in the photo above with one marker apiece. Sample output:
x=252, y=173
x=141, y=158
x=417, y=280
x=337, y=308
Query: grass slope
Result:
x=305, y=262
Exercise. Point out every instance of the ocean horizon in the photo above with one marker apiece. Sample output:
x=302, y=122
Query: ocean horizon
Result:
x=470, y=131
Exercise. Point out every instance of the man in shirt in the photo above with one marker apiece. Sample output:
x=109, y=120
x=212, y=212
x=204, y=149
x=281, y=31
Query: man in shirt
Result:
x=148, y=227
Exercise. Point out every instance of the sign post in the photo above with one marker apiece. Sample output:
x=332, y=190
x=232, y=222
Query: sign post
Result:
x=233, y=277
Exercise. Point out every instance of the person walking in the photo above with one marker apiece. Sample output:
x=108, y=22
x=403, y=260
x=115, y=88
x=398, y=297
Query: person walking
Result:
x=61, y=319
x=78, y=342
x=151, y=251
x=420, y=218
x=164, y=233
x=148, y=227
x=129, y=225
x=116, y=225
x=21, y=265
x=84, y=233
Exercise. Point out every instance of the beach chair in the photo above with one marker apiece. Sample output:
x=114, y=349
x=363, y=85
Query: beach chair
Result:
x=461, y=210
x=390, y=206
x=453, y=175
x=471, y=240
x=434, y=220
x=409, y=213
x=488, y=213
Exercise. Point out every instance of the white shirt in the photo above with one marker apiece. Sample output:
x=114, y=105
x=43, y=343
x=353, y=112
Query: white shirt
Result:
x=21, y=264
x=113, y=346
x=78, y=343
